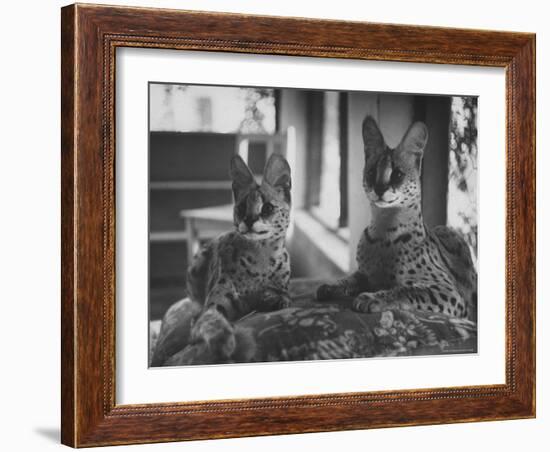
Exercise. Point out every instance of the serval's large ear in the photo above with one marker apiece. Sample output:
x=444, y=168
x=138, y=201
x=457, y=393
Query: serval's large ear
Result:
x=372, y=137
x=277, y=175
x=415, y=139
x=241, y=175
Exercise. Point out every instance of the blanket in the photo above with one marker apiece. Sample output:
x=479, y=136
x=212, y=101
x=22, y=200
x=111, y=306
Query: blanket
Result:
x=310, y=330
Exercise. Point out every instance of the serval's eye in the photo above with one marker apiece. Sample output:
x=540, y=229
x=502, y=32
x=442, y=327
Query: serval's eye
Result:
x=397, y=176
x=267, y=209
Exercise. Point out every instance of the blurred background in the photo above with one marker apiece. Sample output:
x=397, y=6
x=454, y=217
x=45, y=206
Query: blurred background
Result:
x=195, y=129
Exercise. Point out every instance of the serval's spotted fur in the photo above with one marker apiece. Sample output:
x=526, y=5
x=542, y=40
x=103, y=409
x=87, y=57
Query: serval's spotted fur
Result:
x=247, y=269
x=401, y=263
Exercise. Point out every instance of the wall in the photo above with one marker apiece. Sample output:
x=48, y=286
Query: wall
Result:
x=301, y=111
x=359, y=105
x=29, y=230
x=293, y=114
x=436, y=156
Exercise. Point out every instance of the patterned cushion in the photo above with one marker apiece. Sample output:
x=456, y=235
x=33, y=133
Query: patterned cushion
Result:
x=310, y=330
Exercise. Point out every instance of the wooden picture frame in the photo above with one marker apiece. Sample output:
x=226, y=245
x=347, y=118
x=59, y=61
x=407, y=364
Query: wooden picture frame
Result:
x=90, y=37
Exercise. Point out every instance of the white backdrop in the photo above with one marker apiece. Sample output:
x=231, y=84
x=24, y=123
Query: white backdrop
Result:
x=29, y=230
x=137, y=384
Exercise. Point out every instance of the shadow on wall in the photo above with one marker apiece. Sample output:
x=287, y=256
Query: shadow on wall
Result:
x=308, y=260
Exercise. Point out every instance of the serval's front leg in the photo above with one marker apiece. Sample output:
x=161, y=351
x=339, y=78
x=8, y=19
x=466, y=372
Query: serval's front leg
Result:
x=272, y=298
x=415, y=297
x=214, y=330
x=214, y=326
x=350, y=286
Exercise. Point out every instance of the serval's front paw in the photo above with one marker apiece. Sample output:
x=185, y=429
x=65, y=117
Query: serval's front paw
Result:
x=284, y=301
x=338, y=291
x=215, y=331
x=379, y=301
x=368, y=302
x=329, y=292
x=273, y=300
x=324, y=292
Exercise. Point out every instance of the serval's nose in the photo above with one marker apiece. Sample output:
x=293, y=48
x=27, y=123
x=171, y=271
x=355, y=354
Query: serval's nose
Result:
x=380, y=189
x=249, y=221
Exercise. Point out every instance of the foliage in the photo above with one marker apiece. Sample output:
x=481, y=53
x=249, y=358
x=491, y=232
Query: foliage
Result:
x=255, y=100
x=463, y=169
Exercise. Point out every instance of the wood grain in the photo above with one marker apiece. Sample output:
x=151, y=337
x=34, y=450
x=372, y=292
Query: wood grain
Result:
x=90, y=36
x=67, y=227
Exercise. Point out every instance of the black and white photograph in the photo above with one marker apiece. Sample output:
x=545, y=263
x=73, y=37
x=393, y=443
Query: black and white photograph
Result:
x=275, y=226
x=291, y=224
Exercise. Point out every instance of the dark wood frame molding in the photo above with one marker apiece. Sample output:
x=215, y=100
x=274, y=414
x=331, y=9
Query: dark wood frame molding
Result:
x=90, y=35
